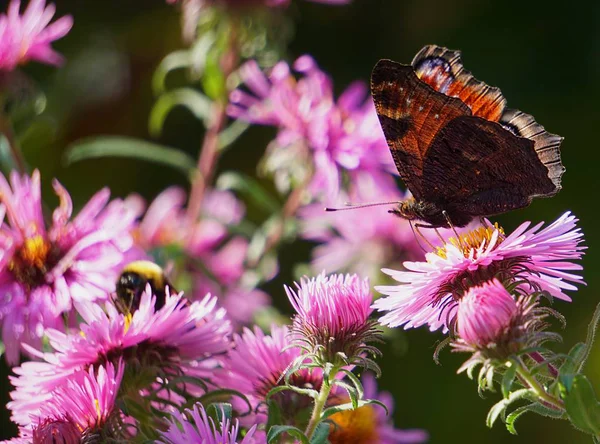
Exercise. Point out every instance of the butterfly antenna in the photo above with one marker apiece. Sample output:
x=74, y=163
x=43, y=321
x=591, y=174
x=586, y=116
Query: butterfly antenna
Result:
x=350, y=206
x=445, y=213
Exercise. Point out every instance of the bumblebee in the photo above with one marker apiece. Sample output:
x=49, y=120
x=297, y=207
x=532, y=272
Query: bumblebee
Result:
x=132, y=283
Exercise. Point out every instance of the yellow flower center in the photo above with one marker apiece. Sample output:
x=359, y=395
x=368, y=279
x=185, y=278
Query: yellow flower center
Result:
x=354, y=426
x=30, y=263
x=472, y=240
x=128, y=319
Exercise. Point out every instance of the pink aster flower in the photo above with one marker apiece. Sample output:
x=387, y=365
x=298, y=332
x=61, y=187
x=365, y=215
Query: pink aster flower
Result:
x=173, y=339
x=46, y=270
x=429, y=291
x=202, y=429
x=82, y=407
x=318, y=136
x=206, y=241
x=370, y=423
x=28, y=36
x=257, y=364
x=332, y=320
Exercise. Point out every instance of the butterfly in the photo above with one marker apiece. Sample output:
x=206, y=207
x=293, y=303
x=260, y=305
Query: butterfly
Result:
x=460, y=151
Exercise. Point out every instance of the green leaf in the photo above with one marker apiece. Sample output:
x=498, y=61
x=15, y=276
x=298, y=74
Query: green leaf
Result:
x=533, y=407
x=196, y=102
x=231, y=134
x=276, y=431
x=251, y=188
x=116, y=146
x=581, y=404
x=321, y=434
x=508, y=379
x=220, y=411
x=275, y=415
x=175, y=60
x=499, y=409
x=350, y=406
x=589, y=340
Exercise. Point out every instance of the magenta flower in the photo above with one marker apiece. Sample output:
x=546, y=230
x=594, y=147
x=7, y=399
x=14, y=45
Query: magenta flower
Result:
x=332, y=320
x=314, y=129
x=176, y=338
x=370, y=423
x=201, y=429
x=207, y=241
x=257, y=364
x=28, y=36
x=429, y=291
x=484, y=312
x=45, y=271
x=83, y=406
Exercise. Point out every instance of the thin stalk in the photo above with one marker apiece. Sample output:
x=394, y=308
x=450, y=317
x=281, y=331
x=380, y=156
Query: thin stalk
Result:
x=539, y=390
x=320, y=401
x=209, y=151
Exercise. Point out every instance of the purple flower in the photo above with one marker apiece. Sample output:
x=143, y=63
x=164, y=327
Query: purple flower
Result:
x=175, y=338
x=429, y=291
x=370, y=423
x=199, y=428
x=332, y=320
x=28, y=36
x=319, y=138
x=45, y=271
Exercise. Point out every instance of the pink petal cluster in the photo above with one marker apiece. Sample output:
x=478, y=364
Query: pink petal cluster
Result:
x=46, y=270
x=208, y=241
x=182, y=333
x=84, y=403
x=429, y=291
x=199, y=428
x=335, y=136
x=258, y=362
x=484, y=313
x=28, y=36
x=335, y=306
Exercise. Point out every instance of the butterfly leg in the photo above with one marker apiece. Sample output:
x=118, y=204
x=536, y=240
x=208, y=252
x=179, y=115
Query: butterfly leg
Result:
x=483, y=221
x=417, y=226
x=440, y=237
x=445, y=213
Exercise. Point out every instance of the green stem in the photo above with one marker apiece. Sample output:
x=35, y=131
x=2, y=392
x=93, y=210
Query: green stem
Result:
x=320, y=402
x=7, y=129
x=545, y=397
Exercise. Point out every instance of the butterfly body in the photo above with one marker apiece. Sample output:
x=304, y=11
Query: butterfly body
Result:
x=459, y=150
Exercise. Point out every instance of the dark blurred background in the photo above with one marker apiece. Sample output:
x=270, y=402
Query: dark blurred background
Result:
x=543, y=54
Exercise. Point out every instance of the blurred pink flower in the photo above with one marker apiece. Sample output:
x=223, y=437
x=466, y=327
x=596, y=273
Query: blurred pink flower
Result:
x=208, y=242
x=361, y=240
x=199, y=428
x=177, y=336
x=370, y=423
x=484, y=312
x=45, y=271
x=429, y=291
x=28, y=36
x=314, y=129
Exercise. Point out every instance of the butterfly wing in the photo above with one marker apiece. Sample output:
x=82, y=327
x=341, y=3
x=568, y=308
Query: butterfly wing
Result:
x=480, y=168
x=411, y=113
x=442, y=69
